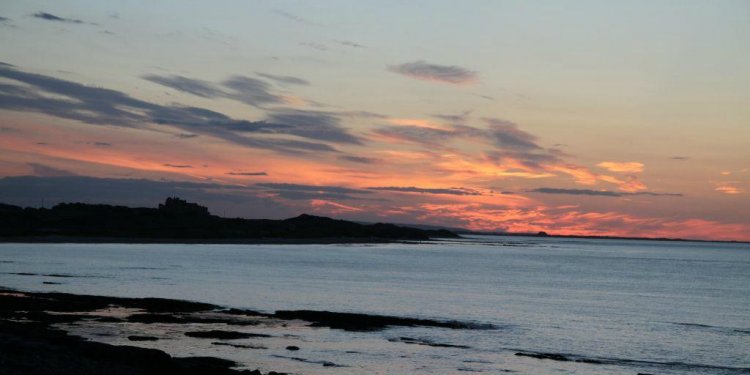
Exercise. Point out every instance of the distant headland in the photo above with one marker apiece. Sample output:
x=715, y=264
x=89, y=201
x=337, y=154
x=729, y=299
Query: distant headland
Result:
x=179, y=221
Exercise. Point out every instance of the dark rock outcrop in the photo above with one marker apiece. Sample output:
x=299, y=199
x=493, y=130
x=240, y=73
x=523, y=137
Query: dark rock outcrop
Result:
x=224, y=335
x=142, y=338
x=366, y=322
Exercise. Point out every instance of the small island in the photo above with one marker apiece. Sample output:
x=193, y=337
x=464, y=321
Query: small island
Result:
x=177, y=220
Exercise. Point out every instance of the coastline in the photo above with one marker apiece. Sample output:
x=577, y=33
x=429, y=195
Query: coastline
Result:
x=35, y=337
x=205, y=241
x=30, y=343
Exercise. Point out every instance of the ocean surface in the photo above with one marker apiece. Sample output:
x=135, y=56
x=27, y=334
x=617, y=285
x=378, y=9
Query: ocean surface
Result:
x=631, y=306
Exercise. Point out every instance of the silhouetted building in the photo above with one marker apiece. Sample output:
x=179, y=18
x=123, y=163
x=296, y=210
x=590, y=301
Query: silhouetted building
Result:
x=174, y=205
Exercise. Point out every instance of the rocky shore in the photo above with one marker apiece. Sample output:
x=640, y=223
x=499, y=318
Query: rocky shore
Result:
x=33, y=338
x=31, y=344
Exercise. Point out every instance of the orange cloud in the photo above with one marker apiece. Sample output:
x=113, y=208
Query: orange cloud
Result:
x=729, y=188
x=624, y=167
x=417, y=122
x=331, y=207
x=562, y=222
x=294, y=100
x=507, y=167
x=580, y=174
x=633, y=184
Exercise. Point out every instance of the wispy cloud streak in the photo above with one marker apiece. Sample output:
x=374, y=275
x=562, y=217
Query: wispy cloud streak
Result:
x=422, y=70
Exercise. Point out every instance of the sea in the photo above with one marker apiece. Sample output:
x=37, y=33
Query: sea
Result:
x=607, y=306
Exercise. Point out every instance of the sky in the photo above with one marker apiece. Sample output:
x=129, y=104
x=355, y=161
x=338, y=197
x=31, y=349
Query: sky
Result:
x=587, y=117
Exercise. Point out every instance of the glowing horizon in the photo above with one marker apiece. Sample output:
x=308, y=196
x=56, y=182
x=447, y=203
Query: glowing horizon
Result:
x=610, y=119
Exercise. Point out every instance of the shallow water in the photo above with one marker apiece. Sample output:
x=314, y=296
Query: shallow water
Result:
x=637, y=306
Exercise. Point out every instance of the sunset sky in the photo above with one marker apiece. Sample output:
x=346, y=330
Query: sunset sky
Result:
x=626, y=118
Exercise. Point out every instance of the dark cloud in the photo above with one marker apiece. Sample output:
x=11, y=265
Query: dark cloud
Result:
x=427, y=135
x=101, y=144
x=506, y=135
x=431, y=72
x=350, y=44
x=51, y=17
x=413, y=189
x=530, y=160
x=251, y=91
x=657, y=194
x=316, y=188
x=601, y=193
x=294, y=17
x=313, y=45
x=4, y=19
x=679, y=158
x=359, y=159
x=177, y=165
x=314, y=125
x=100, y=106
x=510, y=142
x=361, y=114
x=503, y=135
x=322, y=126
x=42, y=170
x=506, y=140
x=285, y=79
x=187, y=135
x=191, y=86
x=247, y=173
x=305, y=192
x=461, y=118
x=247, y=90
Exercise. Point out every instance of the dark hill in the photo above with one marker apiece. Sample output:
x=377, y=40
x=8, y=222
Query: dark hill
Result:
x=178, y=219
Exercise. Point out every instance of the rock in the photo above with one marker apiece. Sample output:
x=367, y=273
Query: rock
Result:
x=552, y=356
x=366, y=322
x=410, y=340
x=223, y=335
x=239, y=346
x=36, y=347
x=142, y=338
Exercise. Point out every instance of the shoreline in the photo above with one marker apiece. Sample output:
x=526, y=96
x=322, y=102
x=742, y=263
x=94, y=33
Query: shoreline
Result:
x=57, y=333
x=205, y=241
x=35, y=333
x=30, y=342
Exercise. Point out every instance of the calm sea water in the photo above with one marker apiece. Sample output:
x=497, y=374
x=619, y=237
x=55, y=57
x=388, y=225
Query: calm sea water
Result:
x=641, y=306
